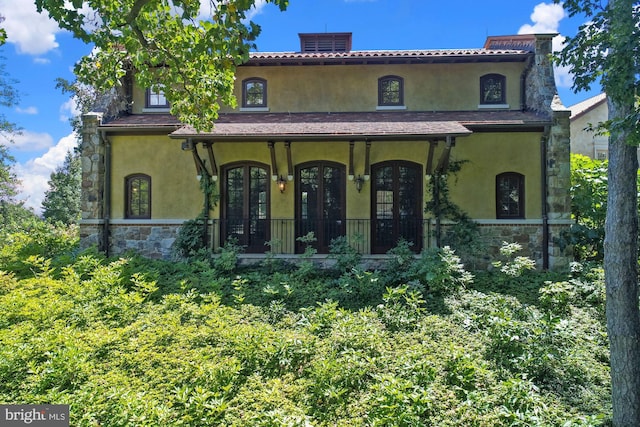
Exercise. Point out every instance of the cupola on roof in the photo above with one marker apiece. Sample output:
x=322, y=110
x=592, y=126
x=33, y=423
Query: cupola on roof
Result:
x=325, y=42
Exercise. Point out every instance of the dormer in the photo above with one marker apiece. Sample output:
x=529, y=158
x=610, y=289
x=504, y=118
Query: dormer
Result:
x=325, y=42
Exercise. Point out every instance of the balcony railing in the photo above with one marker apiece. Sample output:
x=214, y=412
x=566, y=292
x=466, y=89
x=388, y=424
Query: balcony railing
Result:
x=287, y=236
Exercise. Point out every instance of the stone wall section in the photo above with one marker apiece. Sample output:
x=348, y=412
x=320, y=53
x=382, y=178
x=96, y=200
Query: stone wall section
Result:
x=151, y=241
x=93, y=179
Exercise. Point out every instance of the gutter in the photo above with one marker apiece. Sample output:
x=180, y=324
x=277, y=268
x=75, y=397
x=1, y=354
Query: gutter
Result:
x=106, y=198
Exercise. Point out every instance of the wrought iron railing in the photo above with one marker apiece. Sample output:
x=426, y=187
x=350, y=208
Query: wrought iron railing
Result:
x=287, y=236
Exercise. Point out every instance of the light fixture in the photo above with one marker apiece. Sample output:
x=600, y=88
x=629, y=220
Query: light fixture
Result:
x=282, y=184
x=359, y=180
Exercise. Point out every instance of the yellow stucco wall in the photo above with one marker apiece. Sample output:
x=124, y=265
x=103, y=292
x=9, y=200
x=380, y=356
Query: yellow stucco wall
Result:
x=174, y=187
x=488, y=155
x=176, y=193
x=340, y=88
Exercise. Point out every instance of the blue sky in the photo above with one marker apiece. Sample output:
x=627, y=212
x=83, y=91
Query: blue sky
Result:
x=37, y=53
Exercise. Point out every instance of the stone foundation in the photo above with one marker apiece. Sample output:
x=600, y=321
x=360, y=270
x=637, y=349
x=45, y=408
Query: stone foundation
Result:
x=156, y=241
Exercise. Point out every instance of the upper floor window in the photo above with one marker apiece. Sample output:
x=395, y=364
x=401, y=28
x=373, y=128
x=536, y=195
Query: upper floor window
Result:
x=493, y=89
x=254, y=93
x=391, y=91
x=156, y=98
x=138, y=196
x=510, y=195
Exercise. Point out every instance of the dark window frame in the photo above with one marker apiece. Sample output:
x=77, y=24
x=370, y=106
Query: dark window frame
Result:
x=255, y=80
x=379, y=244
x=251, y=246
x=130, y=212
x=334, y=225
x=517, y=183
x=148, y=96
x=381, y=91
x=488, y=79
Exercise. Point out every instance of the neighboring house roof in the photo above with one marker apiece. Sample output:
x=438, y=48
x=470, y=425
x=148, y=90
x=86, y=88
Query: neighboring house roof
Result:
x=301, y=126
x=582, y=108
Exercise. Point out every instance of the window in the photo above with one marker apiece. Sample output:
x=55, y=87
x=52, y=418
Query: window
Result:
x=396, y=205
x=156, y=98
x=254, y=93
x=138, y=196
x=492, y=89
x=510, y=196
x=246, y=205
x=390, y=91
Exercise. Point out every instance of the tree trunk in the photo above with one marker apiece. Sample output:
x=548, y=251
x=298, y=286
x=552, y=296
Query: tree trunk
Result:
x=621, y=276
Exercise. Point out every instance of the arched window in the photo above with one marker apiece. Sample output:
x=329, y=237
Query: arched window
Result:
x=390, y=91
x=493, y=89
x=138, y=196
x=510, y=196
x=254, y=93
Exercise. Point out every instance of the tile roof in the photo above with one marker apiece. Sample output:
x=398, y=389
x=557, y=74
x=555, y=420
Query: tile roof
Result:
x=379, y=125
x=423, y=56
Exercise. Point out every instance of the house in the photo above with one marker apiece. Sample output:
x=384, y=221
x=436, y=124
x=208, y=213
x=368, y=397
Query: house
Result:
x=584, y=140
x=341, y=142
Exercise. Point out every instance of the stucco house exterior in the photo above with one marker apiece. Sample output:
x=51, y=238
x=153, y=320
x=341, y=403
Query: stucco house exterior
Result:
x=585, y=141
x=341, y=142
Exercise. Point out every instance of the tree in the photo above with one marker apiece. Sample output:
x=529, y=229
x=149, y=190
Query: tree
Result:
x=62, y=201
x=170, y=44
x=606, y=50
x=8, y=181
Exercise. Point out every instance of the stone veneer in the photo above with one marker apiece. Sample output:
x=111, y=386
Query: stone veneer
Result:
x=151, y=241
x=93, y=176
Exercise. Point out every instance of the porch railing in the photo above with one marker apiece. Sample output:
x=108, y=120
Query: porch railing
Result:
x=282, y=236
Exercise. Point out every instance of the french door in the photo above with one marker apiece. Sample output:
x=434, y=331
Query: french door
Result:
x=246, y=206
x=396, y=205
x=320, y=203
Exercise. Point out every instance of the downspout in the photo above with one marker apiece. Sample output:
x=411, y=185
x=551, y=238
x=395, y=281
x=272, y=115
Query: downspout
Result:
x=545, y=219
x=106, y=198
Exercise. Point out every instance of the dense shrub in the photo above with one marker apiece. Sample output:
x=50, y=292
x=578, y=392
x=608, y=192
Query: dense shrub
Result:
x=135, y=342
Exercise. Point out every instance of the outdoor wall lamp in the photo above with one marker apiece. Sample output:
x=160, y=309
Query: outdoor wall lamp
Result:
x=359, y=180
x=282, y=184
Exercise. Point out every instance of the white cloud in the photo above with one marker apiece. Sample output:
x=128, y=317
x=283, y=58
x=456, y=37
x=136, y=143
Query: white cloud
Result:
x=68, y=110
x=35, y=173
x=43, y=61
x=546, y=18
x=29, y=110
x=31, y=32
x=31, y=141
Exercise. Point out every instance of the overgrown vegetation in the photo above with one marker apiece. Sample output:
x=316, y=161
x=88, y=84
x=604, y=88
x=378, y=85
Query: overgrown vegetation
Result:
x=138, y=342
x=589, y=188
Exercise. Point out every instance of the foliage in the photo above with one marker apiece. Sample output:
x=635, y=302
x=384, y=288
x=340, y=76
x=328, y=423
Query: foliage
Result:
x=62, y=199
x=346, y=256
x=133, y=341
x=190, y=238
x=462, y=234
x=35, y=238
x=513, y=265
x=605, y=50
x=188, y=49
x=588, y=208
x=9, y=98
x=589, y=192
